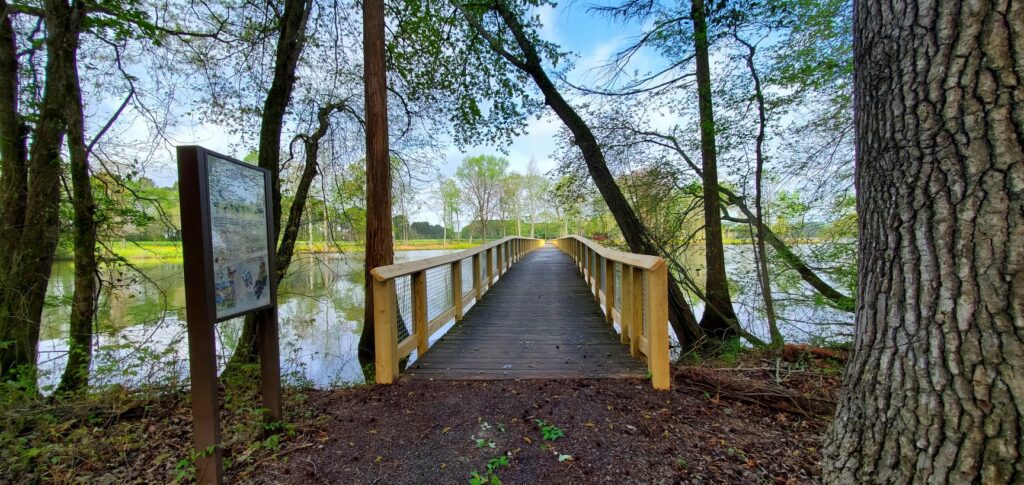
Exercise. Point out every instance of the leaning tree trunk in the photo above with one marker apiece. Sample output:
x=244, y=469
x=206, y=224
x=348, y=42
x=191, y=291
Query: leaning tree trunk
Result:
x=290, y=42
x=379, y=241
x=681, y=316
x=935, y=386
x=718, y=312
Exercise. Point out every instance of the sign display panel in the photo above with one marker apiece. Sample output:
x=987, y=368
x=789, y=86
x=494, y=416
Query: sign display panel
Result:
x=227, y=237
x=238, y=236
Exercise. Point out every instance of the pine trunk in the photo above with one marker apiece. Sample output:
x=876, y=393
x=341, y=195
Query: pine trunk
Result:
x=935, y=385
x=379, y=243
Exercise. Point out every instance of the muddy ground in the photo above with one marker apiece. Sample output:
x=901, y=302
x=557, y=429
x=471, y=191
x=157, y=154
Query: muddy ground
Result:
x=615, y=431
x=723, y=422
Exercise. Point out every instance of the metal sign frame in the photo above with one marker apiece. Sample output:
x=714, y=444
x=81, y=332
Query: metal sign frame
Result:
x=201, y=311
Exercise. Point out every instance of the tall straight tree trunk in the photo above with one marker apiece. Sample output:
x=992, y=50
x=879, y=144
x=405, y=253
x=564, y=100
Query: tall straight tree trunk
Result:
x=934, y=389
x=23, y=286
x=681, y=315
x=83, y=305
x=718, y=310
x=379, y=245
x=290, y=42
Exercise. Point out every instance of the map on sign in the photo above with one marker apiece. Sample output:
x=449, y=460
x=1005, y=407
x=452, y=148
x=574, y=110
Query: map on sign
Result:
x=238, y=230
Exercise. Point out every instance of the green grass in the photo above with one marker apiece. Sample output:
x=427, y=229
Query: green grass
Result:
x=170, y=251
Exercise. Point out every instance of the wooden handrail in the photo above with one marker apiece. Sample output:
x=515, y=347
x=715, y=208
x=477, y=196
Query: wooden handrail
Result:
x=641, y=261
x=499, y=254
x=651, y=342
x=391, y=271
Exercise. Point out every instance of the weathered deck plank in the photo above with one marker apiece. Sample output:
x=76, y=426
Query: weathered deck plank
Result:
x=539, y=321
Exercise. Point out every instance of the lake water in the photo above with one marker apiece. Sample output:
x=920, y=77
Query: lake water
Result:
x=142, y=336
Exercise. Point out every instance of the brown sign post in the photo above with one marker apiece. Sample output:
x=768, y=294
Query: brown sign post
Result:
x=229, y=241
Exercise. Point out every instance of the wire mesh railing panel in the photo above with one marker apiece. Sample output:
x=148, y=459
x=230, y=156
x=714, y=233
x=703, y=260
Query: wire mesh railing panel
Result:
x=601, y=266
x=494, y=259
x=439, y=290
x=467, y=276
x=403, y=289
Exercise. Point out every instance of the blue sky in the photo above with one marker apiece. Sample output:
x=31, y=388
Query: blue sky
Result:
x=592, y=39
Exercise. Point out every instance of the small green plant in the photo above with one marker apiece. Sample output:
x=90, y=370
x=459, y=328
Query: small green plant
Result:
x=490, y=477
x=186, y=468
x=484, y=442
x=548, y=431
x=729, y=350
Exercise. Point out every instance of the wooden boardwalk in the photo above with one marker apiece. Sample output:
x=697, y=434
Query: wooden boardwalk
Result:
x=539, y=321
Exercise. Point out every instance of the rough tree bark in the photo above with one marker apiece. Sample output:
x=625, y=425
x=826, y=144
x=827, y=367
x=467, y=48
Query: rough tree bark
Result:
x=680, y=314
x=83, y=305
x=290, y=42
x=379, y=245
x=718, y=312
x=23, y=286
x=13, y=148
x=934, y=390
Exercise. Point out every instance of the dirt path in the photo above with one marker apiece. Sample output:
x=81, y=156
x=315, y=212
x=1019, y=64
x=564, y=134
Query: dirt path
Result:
x=615, y=431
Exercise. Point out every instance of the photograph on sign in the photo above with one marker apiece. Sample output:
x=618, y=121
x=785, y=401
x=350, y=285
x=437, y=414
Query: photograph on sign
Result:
x=238, y=230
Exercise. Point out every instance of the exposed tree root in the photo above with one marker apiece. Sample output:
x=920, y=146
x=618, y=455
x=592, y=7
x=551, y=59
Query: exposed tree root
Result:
x=754, y=391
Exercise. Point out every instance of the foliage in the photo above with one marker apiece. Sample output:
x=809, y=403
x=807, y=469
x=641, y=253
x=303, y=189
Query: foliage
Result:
x=480, y=178
x=548, y=431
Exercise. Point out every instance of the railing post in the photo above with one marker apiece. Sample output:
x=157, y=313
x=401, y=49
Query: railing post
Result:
x=490, y=268
x=609, y=290
x=498, y=258
x=476, y=276
x=457, y=289
x=419, y=310
x=584, y=256
x=626, y=312
x=595, y=275
x=587, y=254
x=657, y=325
x=636, y=323
x=385, y=333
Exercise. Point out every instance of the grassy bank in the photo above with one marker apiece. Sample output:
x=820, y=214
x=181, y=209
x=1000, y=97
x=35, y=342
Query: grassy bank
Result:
x=170, y=251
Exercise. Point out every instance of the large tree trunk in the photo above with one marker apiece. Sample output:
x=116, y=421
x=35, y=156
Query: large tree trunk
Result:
x=13, y=150
x=935, y=386
x=23, y=286
x=379, y=245
x=290, y=42
x=680, y=314
x=83, y=306
x=718, y=312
